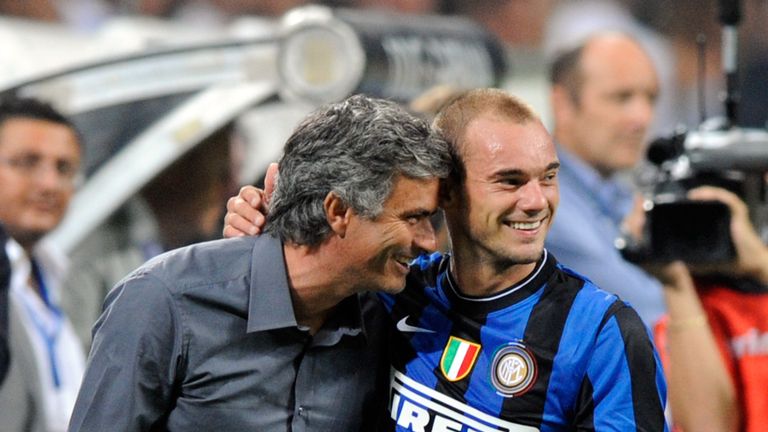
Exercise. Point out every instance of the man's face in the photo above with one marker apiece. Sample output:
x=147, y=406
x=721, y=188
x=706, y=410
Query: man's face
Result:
x=510, y=193
x=380, y=250
x=606, y=125
x=38, y=161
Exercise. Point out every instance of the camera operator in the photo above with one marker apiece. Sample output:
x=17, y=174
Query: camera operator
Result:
x=713, y=341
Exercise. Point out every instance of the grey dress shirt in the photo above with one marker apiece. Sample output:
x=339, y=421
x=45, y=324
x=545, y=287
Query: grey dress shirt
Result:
x=204, y=338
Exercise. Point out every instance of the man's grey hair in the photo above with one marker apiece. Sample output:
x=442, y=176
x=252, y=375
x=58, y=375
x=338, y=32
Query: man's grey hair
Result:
x=355, y=148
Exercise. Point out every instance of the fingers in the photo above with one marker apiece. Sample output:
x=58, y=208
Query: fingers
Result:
x=251, y=195
x=241, y=219
x=244, y=213
x=710, y=193
x=229, y=231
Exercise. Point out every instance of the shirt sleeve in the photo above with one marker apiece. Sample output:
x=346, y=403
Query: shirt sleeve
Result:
x=624, y=388
x=134, y=360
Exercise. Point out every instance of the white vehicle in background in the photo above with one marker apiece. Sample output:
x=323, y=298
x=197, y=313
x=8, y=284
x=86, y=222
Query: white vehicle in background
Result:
x=144, y=93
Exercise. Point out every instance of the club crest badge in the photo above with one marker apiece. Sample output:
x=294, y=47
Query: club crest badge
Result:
x=459, y=356
x=513, y=370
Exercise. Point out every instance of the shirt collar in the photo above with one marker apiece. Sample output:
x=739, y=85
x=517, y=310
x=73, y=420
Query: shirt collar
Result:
x=20, y=265
x=49, y=259
x=270, y=306
x=612, y=195
x=480, y=306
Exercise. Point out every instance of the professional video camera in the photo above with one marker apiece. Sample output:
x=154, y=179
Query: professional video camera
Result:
x=718, y=153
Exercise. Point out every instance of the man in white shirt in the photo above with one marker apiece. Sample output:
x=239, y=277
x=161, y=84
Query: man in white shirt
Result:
x=39, y=159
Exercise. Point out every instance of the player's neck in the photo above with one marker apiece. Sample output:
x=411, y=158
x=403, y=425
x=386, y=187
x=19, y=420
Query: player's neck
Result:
x=480, y=277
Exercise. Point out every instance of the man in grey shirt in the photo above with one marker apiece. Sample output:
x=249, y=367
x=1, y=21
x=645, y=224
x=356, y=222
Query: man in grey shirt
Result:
x=277, y=332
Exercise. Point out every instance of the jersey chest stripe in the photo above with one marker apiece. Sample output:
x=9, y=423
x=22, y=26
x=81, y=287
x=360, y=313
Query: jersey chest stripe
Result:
x=543, y=334
x=648, y=409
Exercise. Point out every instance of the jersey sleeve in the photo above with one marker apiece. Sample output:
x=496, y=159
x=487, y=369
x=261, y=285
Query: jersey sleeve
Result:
x=624, y=387
x=129, y=380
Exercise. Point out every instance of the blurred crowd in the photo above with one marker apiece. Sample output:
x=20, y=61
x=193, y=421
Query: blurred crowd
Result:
x=672, y=31
x=669, y=58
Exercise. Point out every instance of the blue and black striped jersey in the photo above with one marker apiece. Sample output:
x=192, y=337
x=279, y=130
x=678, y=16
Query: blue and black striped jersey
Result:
x=550, y=353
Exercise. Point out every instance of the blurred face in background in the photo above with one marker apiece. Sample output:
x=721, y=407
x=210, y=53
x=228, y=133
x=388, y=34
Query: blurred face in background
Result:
x=39, y=160
x=605, y=120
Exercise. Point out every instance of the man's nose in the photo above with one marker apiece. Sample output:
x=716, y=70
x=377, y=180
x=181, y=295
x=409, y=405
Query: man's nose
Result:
x=50, y=175
x=641, y=111
x=424, y=236
x=531, y=197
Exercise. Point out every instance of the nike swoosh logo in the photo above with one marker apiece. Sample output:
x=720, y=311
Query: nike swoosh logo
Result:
x=404, y=327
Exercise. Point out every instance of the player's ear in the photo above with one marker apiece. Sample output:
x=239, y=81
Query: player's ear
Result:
x=337, y=213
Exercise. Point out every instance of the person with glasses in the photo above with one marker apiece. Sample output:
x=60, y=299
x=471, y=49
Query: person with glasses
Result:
x=40, y=152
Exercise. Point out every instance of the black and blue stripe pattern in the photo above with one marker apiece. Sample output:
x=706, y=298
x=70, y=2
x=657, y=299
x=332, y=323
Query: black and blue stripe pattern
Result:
x=594, y=365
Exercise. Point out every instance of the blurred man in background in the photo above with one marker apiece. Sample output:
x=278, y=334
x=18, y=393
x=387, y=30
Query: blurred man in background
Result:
x=39, y=160
x=603, y=94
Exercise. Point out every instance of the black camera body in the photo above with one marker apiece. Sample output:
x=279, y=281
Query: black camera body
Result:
x=698, y=232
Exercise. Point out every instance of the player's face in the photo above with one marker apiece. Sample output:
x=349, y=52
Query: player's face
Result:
x=38, y=161
x=381, y=249
x=510, y=192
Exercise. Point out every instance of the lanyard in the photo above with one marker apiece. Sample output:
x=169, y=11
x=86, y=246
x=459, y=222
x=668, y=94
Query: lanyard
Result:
x=49, y=333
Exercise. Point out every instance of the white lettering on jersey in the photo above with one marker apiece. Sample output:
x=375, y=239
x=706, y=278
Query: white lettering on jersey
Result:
x=414, y=405
x=751, y=343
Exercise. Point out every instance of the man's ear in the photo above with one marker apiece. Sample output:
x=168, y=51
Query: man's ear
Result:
x=448, y=192
x=270, y=181
x=337, y=213
x=561, y=101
